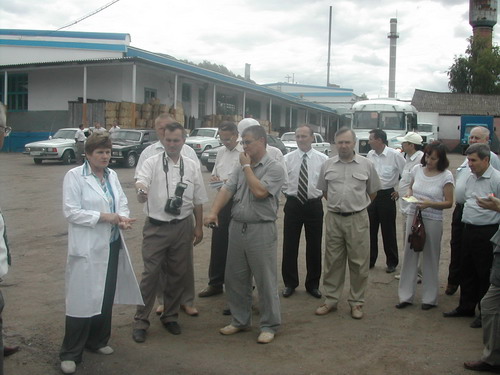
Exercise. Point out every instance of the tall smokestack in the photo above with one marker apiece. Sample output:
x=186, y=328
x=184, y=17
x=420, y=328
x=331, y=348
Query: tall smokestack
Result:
x=247, y=72
x=393, y=35
x=482, y=18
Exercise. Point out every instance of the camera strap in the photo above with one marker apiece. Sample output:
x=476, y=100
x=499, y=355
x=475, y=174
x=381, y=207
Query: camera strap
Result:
x=165, y=169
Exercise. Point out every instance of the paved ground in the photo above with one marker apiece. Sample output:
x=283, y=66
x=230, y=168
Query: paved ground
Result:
x=386, y=341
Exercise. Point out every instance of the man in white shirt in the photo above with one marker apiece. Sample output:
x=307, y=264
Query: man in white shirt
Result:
x=161, y=122
x=172, y=187
x=479, y=226
x=303, y=208
x=98, y=128
x=389, y=164
x=114, y=127
x=479, y=134
x=80, y=144
x=228, y=158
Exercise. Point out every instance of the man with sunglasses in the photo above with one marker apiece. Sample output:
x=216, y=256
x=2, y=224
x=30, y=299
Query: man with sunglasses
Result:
x=254, y=186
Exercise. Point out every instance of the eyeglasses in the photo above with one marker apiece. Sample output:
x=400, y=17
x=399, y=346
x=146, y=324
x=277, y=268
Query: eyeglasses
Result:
x=246, y=143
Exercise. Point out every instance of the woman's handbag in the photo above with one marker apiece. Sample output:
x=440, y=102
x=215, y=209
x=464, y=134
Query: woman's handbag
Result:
x=417, y=236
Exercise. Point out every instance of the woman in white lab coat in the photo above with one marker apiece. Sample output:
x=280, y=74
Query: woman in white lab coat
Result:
x=98, y=269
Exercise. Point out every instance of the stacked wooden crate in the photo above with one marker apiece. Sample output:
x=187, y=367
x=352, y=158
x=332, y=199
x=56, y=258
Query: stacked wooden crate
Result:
x=132, y=115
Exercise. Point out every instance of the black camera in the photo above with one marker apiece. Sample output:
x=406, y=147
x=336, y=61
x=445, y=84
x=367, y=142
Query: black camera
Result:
x=174, y=204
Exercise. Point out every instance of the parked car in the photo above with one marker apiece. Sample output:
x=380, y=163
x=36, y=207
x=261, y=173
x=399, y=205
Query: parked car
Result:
x=61, y=146
x=319, y=143
x=202, y=139
x=129, y=143
x=208, y=157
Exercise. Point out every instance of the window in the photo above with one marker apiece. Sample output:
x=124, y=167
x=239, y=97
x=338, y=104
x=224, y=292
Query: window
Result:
x=313, y=119
x=252, y=108
x=226, y=104
x=149, y=94
x=186, y=92
x=17, y=92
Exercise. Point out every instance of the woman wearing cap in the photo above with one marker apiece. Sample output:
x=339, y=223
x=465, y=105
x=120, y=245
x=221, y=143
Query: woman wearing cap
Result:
x=98, y=263
x=432, y=185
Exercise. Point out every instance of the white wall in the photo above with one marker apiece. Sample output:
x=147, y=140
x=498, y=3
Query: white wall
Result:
x=24, y=55
x=51, y=89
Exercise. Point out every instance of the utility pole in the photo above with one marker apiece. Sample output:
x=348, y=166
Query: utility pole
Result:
x=329, y=49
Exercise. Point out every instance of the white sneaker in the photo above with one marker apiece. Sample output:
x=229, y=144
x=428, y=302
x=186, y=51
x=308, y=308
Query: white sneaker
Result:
x=68, y=367
x=265, y=337
x=106, y=350
x=357, y=312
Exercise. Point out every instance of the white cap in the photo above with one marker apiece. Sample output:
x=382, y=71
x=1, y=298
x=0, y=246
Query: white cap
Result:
x=411, y=137
x=245, y=123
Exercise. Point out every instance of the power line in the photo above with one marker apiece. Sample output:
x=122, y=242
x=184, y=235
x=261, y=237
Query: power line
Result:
x=89, y=15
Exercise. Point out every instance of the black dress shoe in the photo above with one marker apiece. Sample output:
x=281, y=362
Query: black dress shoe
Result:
x=314, y=292
x=451, y=289
x=427, y=306
x=9, y=350
x=482, y=366
x=139, y=335
x=402, y=305
x=173, y=327
x=390, y=269
x=288, y=291
x=455, y=313
x=476, y=323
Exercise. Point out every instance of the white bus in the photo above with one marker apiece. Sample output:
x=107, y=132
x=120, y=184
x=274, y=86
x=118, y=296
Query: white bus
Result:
x=393, y=116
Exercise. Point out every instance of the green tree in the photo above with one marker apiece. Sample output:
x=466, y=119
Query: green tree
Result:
x=216, y=68
x=478, y=72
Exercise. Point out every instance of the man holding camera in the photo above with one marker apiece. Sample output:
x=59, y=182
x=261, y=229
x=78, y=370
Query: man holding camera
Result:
x=172, y=187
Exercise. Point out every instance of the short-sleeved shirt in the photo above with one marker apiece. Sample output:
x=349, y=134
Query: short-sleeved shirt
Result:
x=152, y=175
x=463, y=173
x=226, y=161
x=481, y=187
x=429, y=188
x=246, y=207
x=348, y=184
x=158, y=148
x=389, y=165
x=80, y=136
x=405, y=181
x=293, y=162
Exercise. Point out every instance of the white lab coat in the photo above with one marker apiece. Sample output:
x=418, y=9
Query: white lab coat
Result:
x=88, y=245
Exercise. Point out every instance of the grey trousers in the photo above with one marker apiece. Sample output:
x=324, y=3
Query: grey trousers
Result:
x=169, y=246
x=2, y=304
x=252, y=253
x=490, y=318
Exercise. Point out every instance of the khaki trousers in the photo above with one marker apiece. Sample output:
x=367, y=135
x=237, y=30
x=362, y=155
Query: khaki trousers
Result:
x=347, y=239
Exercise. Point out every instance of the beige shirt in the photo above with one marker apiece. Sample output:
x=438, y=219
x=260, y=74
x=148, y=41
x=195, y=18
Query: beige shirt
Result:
x=348, y=184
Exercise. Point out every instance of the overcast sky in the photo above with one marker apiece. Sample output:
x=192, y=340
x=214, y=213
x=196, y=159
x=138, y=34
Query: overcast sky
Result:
x=280, y=38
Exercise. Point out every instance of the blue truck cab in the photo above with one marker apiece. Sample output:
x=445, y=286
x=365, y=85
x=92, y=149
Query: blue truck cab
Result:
x=467, y=123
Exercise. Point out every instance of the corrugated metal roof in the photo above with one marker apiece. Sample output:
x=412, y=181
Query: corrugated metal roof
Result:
x=208, y=74
x=138, y=55
x=446, y=103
